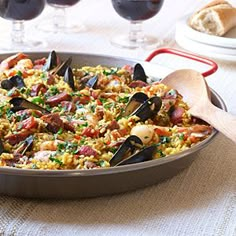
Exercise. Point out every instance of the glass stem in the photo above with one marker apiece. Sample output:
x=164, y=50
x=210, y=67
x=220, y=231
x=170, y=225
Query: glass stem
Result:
x=136, y=32
x=17, y=32
x=59, y=18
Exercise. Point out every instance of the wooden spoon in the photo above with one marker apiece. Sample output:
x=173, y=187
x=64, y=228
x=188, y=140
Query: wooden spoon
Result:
x=195, y=91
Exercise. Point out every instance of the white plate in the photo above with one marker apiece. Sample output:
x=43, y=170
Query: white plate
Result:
x=203, y=49
x=226, y=41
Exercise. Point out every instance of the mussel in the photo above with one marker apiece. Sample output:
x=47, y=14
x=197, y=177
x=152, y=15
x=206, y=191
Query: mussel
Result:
x=69, y=78
x=26, y=145
x=142, y=106
x=14, y=81
x=51, y=61
x=139, y=73
x=21, y=104
x=92, y=82
x=148, y=109
x=129, y=146
x=145, y=154
x=61, y=68
x=132, y=151
x=53, y=67
x=134, y=102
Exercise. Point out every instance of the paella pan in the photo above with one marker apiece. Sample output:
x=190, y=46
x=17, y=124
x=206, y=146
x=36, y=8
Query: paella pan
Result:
x=91, y=125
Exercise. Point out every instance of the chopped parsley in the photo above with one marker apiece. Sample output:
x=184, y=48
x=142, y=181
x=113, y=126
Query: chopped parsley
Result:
x=111, y=71
x=19, y=73
x=92, y=107
x=79, y=106
x=68, y=147
x=123, y=99
x=9, y=113
x=103, y=100
x=60, y=131
x=84, y=125
x=101, y=163
x=113, y=150
x=2, y=110
x=34, y=166
x=53, y=90
x=21, y=117
x=109, y=105
x=181, y=136
x=82, y=141
x=37, y=100
x=164, y=139
x=43, y=76
x=56, y=160
x=161, y=153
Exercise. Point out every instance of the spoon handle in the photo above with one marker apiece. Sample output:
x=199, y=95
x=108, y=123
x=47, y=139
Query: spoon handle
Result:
x=222, y=121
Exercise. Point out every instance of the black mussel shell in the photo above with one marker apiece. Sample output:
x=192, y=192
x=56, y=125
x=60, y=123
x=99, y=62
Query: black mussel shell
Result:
x=16, y=109
x=148, y=109
x=14, y=81
x=26, y=145
x=126, y=149
x=92, y=82
x=134, y=102
x=1, y=147
x=139, y=73
x=51, y=61
x=19, y=102
x=17, y=81
x=61, y=69
x=145, y=154
x=7, y=84
x=69, y=78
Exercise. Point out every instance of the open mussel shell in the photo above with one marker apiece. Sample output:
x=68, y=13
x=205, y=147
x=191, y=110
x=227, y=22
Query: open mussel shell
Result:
x=7, y=84
x=21, y=104
x=51, y=61
x=145, y=154
x=26, y=145
x=129, y=146
x=15, y=81
x=148, y=109
x=91, y=83
x=61, y=68
x=134, y=102
x=139, y=73
x=69, y=78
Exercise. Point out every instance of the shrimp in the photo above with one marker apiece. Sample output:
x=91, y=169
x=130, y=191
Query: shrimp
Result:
x=50, y=145
x=197, y=131
x=24, y=64
x=12, y=61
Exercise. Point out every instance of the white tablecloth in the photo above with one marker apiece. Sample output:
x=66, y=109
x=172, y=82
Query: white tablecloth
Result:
x=199, y=201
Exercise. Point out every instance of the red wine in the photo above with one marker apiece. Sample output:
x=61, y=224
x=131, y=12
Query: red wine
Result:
x=62, y=3
x=137, y=10
x=21, y=9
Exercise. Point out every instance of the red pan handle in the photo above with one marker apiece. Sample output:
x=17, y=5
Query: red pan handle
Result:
x=209, y=62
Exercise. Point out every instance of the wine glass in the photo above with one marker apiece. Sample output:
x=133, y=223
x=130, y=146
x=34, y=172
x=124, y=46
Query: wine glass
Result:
x=19, y=11
x=136, y=11
x=59, y=21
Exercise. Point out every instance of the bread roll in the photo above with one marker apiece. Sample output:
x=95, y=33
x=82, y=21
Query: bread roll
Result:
x=216, y=18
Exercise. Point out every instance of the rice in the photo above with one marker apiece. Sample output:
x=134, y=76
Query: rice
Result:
x=86, y=127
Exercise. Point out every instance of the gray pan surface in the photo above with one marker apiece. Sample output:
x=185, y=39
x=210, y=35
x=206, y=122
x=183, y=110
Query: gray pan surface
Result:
x=71, y=184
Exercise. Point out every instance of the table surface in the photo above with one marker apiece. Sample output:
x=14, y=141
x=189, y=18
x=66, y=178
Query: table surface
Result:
x=201, y=200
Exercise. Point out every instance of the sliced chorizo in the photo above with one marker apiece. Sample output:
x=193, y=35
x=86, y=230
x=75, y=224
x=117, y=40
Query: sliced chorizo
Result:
x=56, y=99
